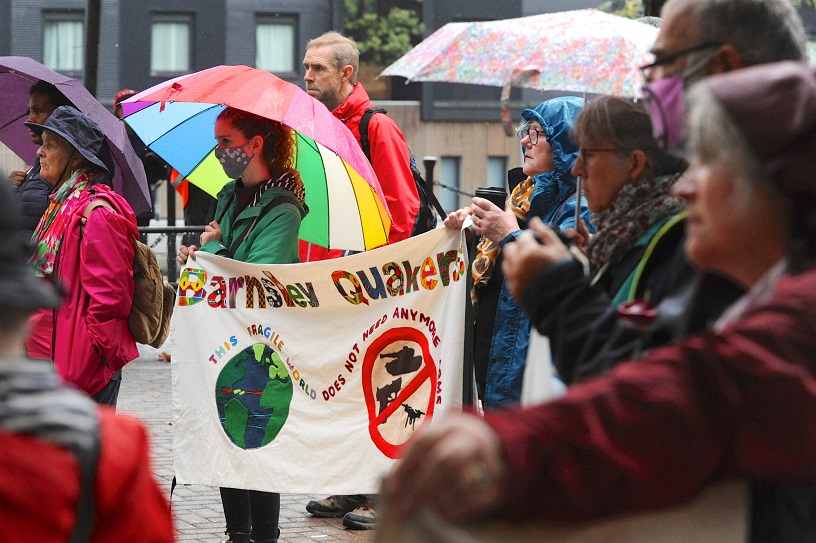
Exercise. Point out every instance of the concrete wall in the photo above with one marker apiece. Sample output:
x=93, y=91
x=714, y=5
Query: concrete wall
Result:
x=472, y=142
x=5, y=26
x=223, y=33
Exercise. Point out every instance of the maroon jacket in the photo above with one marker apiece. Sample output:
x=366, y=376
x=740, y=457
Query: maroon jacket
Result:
x=740, y=404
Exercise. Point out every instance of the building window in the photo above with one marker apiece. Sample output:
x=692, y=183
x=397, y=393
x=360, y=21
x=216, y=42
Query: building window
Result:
x=63, y=43
x=450, y=168
x=170, y=45
x=275, y=44
x=497, y=171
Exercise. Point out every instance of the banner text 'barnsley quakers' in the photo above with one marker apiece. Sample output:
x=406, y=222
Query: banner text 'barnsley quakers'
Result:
x=359, y=287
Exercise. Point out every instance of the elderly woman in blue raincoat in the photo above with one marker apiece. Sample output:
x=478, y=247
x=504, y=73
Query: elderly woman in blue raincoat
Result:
x=501, y=328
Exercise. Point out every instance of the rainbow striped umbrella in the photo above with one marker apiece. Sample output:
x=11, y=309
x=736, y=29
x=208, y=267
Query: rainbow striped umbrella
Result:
x=176, y=119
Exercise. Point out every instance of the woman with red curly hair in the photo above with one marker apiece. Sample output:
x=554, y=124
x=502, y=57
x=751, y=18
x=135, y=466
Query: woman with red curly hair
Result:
x=257, y=220
x=258, y=215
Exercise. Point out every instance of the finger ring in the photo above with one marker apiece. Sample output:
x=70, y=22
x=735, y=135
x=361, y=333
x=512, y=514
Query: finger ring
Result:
x=476, y=475
x=476, y=221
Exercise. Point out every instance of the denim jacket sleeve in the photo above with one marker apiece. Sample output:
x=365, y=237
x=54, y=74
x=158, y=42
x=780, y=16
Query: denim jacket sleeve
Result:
x=512, y=236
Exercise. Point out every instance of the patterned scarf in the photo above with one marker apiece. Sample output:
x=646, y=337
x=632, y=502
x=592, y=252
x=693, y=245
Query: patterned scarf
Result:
x=635, y=209
x=289, y=180
x=487, y=251
x=53, y=225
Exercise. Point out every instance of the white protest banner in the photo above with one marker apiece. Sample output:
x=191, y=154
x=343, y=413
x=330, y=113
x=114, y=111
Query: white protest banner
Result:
x=308, y=378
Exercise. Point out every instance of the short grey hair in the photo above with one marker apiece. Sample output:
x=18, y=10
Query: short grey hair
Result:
x=716, y=140
x=761, y=31
x=344, y=51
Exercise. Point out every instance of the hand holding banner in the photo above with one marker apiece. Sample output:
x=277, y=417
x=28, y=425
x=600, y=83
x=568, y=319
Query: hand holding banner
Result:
x=308, y=378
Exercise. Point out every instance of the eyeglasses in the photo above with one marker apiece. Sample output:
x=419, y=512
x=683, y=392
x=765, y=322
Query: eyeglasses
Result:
x=671, y=57
x=531, y=133
x=585, y=153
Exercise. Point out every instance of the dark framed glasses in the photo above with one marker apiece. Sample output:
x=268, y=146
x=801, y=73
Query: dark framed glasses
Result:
x=531, y=133
x=671, y=57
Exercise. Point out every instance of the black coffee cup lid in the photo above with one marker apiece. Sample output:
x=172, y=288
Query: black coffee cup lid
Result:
x=490, y=190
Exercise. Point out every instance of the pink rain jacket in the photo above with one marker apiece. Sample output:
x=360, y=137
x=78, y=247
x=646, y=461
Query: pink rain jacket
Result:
x=92, y=339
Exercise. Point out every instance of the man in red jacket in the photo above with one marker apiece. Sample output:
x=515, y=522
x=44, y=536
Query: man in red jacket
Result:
x=331, y=64
x=72, y=470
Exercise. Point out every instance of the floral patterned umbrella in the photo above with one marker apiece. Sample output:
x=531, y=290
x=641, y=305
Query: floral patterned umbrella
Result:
x=581, y=51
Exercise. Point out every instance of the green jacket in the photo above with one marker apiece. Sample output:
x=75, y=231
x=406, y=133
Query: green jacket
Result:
x=273, y=240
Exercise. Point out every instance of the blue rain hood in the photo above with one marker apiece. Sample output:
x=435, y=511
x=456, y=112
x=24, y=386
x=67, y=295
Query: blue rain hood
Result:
x=557, y=117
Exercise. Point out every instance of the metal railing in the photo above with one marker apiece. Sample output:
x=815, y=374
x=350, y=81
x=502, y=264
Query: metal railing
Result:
x=165, y=241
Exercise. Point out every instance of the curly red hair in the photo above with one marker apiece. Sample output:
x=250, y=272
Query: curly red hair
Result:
x=279, y=140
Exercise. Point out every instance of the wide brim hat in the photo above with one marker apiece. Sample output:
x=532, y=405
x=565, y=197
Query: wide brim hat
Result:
x=78, y=129
x=19, y=287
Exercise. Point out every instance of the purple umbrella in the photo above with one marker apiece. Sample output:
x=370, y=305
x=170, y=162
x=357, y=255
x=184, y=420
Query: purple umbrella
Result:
x=17, y=74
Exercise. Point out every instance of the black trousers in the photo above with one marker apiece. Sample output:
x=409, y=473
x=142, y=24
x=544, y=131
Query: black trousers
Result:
x=252, y=512
x=110, y=393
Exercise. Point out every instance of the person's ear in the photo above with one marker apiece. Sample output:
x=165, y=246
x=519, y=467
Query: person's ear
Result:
x=346, y=73
x=638, y=164
x=74, y=161
x=257, y=142
x=725, y=60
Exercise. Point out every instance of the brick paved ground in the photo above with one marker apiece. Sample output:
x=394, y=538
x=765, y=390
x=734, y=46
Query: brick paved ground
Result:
x=146, y=394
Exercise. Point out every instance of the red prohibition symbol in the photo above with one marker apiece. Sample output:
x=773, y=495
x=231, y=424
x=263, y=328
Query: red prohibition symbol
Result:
x=426, y=373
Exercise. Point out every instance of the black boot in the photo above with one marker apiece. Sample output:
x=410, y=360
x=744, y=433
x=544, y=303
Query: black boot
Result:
x=237, y=537
x=273, y=541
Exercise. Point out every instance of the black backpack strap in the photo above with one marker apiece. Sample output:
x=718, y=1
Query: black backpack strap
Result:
x=173, y=484
x=432, y=198
x=220, y=216
x=366, y=145
x=571, y=198
x=86, y=515
x=283, y=198
x=364, y=142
